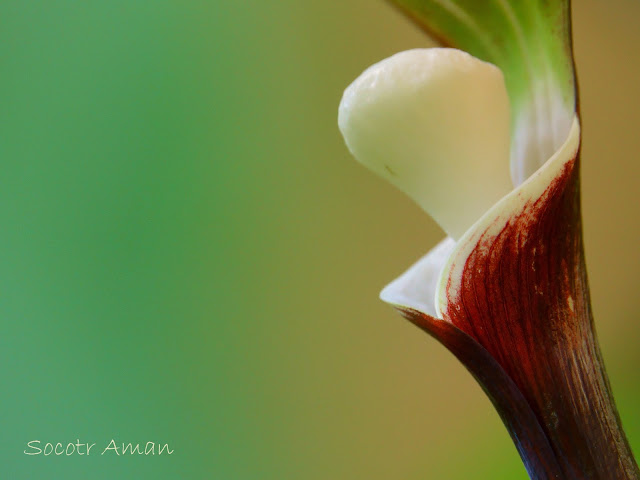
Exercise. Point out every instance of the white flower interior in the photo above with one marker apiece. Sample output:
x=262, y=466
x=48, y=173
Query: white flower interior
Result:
x=416, y=287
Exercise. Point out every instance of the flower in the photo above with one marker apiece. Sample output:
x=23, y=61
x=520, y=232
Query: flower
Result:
x=507, y=290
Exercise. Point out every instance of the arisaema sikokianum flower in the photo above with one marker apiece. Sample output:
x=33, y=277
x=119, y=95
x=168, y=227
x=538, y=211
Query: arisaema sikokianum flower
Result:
x=488, y=142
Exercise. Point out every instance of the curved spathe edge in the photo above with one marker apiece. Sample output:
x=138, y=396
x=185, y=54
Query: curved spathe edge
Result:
x=415, y=288
x=498, y=216
x=517, y=415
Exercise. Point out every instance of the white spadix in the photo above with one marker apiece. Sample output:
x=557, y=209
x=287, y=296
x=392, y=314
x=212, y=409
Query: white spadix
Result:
x=435, y=123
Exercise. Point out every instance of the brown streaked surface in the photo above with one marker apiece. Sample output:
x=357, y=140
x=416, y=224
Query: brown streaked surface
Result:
x=524, y=296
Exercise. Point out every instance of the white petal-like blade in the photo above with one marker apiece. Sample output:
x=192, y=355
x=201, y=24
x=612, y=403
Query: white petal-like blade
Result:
x=435, y=123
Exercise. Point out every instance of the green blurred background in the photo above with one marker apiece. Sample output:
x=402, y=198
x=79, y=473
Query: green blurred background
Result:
x=190, y=256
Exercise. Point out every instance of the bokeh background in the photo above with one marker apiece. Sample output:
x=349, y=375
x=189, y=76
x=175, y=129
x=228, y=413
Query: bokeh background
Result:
x=190, y=256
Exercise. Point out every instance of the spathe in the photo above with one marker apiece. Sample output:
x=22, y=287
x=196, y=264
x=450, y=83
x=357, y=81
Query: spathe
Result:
x=509, y=296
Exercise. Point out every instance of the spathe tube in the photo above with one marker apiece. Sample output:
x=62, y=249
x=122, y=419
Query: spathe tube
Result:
x=516, y=284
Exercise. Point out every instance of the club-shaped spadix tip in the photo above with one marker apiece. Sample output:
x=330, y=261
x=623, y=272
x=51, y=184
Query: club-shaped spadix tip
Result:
x=435, y=123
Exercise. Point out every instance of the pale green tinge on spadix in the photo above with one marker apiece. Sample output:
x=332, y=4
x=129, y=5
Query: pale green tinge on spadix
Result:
x=435, y=123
